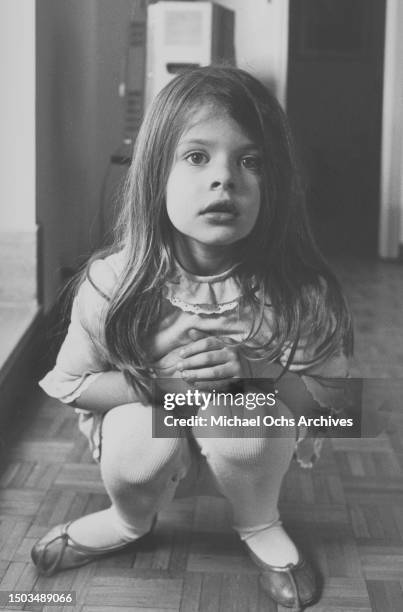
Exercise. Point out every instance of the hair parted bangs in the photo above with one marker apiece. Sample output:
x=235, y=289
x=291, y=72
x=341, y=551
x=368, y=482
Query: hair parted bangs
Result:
x=280, y=257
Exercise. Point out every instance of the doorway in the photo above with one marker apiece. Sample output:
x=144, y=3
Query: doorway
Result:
x=334, y=101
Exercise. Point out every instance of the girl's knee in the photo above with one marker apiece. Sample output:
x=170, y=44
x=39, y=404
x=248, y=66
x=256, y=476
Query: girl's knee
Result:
x=236, y=451
x=129, y=450
x=127, y=417
x=247, y=452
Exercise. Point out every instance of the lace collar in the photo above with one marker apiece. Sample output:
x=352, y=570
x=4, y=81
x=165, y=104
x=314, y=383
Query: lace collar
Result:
x=203, y=294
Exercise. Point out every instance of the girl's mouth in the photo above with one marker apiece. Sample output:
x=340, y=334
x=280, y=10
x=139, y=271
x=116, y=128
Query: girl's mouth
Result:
x=220, y=210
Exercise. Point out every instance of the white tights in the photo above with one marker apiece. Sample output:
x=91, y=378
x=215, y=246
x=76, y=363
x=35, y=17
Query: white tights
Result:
x=141, y=475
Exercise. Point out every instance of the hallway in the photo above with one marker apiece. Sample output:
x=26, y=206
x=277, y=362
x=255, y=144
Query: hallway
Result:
x=347, y=513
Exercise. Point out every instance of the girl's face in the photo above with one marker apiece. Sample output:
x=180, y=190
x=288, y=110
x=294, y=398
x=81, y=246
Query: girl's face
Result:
x=213, y=190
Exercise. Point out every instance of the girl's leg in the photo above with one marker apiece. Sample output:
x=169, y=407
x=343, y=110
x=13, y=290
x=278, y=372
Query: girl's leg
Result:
x=249, y=472
x=140, y=474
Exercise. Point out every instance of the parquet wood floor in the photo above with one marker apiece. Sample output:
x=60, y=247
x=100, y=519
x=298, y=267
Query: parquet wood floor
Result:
x=347, y=513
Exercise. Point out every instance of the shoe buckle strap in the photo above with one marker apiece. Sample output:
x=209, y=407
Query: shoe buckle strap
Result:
x=53, y=566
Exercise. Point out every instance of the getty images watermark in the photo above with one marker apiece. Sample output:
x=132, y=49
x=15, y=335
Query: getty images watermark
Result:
x=247, y=413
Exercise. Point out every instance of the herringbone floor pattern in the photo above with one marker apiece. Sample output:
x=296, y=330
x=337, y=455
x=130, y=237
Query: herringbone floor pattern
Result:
x=347, y=513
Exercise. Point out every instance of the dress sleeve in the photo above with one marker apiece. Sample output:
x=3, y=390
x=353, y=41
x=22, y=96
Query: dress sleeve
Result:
x=326, y=390
x=322, y=377
x=82, y=356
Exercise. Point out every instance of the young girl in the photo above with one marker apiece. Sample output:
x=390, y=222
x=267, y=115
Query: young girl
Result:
x=214, y=275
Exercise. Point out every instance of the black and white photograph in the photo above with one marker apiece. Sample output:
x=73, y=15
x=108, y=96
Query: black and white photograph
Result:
x=201, y=305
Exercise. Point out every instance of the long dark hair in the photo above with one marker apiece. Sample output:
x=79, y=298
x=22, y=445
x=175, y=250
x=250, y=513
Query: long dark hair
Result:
x=280, y=257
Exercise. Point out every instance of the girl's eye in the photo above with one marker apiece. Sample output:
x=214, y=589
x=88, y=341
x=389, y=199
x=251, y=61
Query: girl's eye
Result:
x=251, y=162
x=197, y=158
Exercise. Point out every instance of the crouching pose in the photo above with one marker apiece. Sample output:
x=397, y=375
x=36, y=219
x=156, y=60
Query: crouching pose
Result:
x=213, y=276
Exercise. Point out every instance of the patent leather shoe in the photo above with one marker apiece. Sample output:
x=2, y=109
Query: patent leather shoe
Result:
x=57, y=551
x=293, y=585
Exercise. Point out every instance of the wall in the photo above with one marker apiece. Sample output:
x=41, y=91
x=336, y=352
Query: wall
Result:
x=17, y=153
x=391, y=222
x=17, y=143
x=261, y=40
x=80, y=46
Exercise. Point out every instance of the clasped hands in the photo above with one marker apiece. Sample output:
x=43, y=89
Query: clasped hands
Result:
x=205, y=363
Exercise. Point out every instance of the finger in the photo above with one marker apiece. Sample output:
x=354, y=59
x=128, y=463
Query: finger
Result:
x=200, y=346
x=195, y=334
x=202, y=360
x=212, y=373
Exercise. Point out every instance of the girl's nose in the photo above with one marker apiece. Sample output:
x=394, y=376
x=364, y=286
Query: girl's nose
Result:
x=223, y=177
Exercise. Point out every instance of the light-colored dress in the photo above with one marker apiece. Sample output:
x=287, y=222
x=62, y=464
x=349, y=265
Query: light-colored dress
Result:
x=213, y=305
